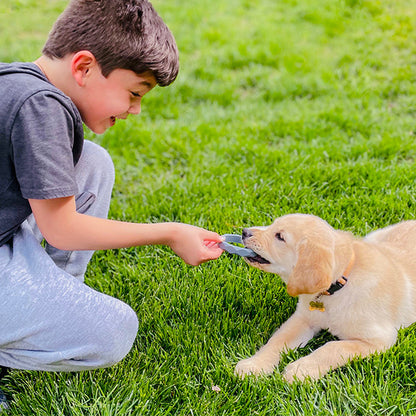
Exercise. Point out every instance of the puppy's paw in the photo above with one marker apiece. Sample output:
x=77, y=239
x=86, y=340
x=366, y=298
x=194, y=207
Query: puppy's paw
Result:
x=302, y=369
x=253, y=366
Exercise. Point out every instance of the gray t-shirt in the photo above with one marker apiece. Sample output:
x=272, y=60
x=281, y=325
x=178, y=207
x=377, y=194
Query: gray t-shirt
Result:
x=41, y=137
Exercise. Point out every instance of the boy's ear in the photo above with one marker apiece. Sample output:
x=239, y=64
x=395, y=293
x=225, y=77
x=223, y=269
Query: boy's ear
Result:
x=81, y=64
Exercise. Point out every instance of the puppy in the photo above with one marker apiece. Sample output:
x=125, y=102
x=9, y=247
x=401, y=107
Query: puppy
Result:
x=360, y=290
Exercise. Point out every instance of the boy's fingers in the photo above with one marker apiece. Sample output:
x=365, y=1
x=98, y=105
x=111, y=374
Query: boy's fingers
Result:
x=214, y=252
x=212, y=236
x=210, y=243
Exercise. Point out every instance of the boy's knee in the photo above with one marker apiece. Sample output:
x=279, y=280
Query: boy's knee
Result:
x=104, y=159
x=99, y=159
x=116, y=338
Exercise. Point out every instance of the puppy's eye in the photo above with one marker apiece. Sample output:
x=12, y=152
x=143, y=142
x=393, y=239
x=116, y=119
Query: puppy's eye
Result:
x=279, y=236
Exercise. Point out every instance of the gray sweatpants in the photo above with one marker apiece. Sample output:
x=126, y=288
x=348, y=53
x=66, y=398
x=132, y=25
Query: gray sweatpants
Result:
x=49, y=319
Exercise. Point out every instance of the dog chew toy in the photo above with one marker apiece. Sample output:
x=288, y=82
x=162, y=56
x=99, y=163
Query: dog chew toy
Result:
x=232, y=249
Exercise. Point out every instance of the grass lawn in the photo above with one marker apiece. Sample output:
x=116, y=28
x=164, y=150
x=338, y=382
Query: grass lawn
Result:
x=280, y=107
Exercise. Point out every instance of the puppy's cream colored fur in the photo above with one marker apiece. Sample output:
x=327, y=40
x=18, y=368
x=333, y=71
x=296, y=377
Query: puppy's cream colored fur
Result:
x=365, y=315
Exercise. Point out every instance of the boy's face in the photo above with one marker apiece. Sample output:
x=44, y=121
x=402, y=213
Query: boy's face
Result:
x=104, y=100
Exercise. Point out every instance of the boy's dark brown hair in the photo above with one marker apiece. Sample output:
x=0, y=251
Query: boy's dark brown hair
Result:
x=125, y=34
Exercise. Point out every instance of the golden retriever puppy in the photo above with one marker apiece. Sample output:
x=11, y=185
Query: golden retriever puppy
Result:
x=360, y=290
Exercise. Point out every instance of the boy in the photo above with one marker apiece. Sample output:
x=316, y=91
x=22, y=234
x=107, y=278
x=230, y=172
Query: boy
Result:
x=100, y=59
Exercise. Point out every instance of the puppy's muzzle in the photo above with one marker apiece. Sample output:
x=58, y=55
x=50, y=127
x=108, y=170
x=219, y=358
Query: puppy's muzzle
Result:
x=246, y=234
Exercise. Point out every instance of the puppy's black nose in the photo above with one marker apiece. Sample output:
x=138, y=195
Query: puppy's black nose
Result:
x=246, y=233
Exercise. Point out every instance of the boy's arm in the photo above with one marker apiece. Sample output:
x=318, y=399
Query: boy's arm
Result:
x=66, y=229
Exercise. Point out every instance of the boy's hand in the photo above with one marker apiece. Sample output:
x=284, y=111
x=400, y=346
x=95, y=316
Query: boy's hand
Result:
x=195, y=245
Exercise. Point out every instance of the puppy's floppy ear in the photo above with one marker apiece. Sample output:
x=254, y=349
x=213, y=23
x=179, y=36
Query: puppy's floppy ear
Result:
x=313, y=270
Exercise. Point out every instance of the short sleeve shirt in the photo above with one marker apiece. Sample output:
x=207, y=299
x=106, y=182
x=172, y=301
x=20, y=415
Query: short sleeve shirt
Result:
x=41, y=137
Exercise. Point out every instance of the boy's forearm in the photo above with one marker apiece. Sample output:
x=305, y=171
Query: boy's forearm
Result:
x=91, y=233
x=66, y=229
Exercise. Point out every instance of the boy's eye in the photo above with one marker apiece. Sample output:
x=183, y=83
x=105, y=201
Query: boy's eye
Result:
x=135, y=94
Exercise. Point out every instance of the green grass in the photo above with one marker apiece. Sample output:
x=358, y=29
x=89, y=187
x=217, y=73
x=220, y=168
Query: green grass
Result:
x=280, y=106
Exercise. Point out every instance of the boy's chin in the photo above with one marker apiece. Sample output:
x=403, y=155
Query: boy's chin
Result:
x=98, y=129
x=100, y=126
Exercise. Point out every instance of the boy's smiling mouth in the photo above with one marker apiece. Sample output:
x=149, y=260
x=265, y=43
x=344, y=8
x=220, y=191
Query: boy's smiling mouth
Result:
x=113, y=119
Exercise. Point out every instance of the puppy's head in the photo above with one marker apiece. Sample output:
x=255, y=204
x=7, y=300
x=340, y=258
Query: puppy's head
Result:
x=298, y=247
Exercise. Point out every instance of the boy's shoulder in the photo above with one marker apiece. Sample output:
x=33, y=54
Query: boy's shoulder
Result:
x=24, y=82
x=30, y=103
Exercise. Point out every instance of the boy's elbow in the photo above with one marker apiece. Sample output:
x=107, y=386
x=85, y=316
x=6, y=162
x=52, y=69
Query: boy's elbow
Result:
x=57, y=241
x=57, y=221
x=58, y=236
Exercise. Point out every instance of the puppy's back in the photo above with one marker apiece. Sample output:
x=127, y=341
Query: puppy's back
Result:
x=402, y=235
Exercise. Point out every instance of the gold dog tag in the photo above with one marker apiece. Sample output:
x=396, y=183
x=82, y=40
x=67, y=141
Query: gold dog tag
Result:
x=316, y=306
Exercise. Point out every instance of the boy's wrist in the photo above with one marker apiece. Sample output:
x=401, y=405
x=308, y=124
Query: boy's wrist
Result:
x=170, y=232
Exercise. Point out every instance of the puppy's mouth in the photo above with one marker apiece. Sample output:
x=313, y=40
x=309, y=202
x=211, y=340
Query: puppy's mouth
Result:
x=257, y=259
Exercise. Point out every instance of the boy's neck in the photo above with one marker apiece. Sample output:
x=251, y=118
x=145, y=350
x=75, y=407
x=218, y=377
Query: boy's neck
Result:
x=57, y=71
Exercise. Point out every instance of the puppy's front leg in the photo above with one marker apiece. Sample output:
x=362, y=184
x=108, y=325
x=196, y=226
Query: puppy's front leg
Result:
x=294, y=332
x=328, y=357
